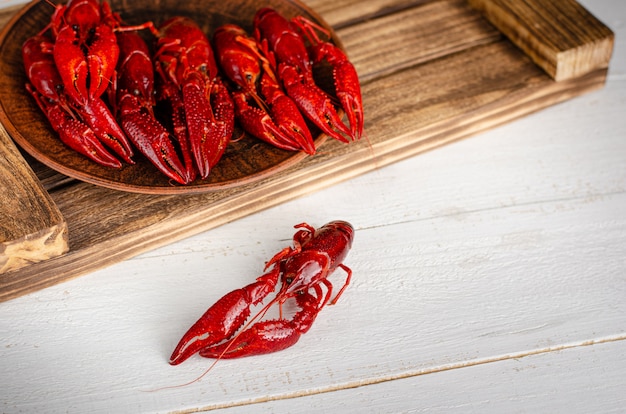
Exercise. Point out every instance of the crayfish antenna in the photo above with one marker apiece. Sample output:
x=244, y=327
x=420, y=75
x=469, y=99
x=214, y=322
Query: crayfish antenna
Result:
x=52, y=21
x=284, y=253
x=259, y=101
x=308, y=28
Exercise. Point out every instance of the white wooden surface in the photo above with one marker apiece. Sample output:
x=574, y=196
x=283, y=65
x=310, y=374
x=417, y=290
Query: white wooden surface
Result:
x=489, y=276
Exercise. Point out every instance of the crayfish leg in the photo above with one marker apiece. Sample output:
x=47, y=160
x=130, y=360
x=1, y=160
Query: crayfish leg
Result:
x=283, y=254
x=100, y=119
x=169, y=93
x=346, y=283
x=151, y=138
x=258, y=123
x=301, y=237
x=209, y=114
x=315, y=104
x=74, y=133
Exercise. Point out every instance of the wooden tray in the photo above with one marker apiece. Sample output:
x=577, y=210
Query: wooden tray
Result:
x=445, y=74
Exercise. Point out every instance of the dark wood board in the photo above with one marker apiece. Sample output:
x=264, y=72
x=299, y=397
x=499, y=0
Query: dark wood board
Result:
x=443, y=74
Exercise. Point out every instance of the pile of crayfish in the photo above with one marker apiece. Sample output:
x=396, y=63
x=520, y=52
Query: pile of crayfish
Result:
x=98, y=82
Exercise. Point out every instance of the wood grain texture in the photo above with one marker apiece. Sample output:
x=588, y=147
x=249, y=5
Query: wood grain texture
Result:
x=561, y=36
x=452, y=84
x=495, y=387
x=32, y=228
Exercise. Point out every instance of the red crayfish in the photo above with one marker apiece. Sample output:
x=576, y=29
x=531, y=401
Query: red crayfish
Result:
x=274, y=70
x=133, y=94
x=275, y=119
x=303, y=271
x=86, y=50
x=282, y=41
x=46, y=87
x=77, y=61
x=185, y=61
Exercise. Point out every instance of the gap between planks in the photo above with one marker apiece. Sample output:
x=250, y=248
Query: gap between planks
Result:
x=412, y=373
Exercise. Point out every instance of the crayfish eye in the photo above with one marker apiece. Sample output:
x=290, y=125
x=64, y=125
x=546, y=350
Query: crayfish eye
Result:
x=288, y=280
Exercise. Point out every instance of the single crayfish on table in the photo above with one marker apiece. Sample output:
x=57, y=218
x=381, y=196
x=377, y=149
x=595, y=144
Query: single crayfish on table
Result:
x=226, y=330
x=98, y=82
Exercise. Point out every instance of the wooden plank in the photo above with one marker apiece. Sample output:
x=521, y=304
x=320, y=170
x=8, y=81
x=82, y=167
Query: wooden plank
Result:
x=32, y=228
x=340, y=14
x=409, y=44
x=560, y=36
x=453, y=84
x=544, y=382
x=110, y=226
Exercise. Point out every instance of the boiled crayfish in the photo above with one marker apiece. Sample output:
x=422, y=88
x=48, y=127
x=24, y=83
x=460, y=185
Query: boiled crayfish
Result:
x=274, y=71
x=46, y=86
x=86, y=50
x=133, y=95
x=284, y=42
x=274, y=118
x=77, y=59
x=303, y=272
x=185, y=61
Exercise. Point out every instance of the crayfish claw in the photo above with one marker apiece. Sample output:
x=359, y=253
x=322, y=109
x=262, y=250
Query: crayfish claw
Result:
x=218, y=323
x=224, y=318
x=262, y=338
x=347, y=86
x=268, y=336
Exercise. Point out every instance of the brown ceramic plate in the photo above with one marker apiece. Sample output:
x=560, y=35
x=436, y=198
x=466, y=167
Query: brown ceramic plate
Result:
x=245, y=161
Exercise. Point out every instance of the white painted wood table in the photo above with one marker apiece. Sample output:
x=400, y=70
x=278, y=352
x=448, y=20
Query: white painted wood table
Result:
x=489, y=276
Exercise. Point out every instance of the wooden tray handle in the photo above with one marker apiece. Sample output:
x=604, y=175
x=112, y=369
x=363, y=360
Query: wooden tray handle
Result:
x=32, y=228
x=562, y=37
